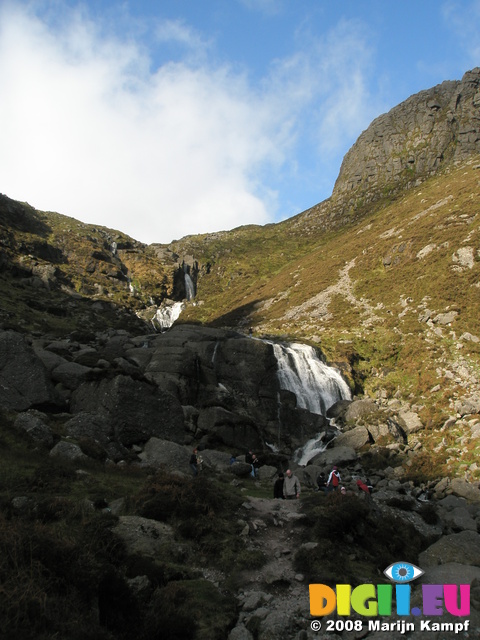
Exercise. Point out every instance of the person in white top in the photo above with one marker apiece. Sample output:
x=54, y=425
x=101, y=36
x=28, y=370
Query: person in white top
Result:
x=334, y=479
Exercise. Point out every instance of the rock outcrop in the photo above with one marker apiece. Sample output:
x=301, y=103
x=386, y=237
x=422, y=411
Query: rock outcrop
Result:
x=413, y=140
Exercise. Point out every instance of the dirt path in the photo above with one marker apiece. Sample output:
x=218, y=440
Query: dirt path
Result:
x=274, y=593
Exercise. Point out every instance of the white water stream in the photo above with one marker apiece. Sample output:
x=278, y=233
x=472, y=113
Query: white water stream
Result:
x=316, y=386
x=167, y=314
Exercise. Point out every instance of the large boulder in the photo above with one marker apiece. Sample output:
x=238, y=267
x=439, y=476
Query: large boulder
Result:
x=228, y=428
x=143, y=536
x=24, y=380
x=35, y=425
x=451, y=573
x=90, y=425
x=468, y=490
x=70, y=374
x=163, y=453
x=137, y=410
x=462, y=548
x=337, y=455
x=206, y=367
x=355, y=438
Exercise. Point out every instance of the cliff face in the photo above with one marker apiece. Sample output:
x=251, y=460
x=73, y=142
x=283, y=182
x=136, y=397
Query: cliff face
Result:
x=413, y=141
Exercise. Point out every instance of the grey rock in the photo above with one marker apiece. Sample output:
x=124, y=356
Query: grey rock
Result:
x=144, y=536
x=70, y=374
x=241, y=469
x=228, y=428
x=240, y=632
x=255, y=599
x=337, y=455
x=216, y=459
x=467, y=406
x=451, y=573
x=445, y=318
x=459, y=519
x=34, y=423
x=275, y=625
x=68, y=451
x=158, y=452
x=412, y=141
x=137, y=410
x=90, y=425
x=468, y=490
x=462, y=548
x=410, y=421
x=360, y=409
x=355, y=438
x=24, y=380
x=50, y=360
x=266, y=472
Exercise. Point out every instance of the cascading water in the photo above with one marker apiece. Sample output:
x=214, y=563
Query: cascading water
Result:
x=316, y=386
x=167, y=314
x=189, y=286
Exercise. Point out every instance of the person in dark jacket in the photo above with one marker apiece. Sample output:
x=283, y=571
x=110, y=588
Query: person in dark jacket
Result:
x=194, y=462
x=278, y=487
x=322, y=482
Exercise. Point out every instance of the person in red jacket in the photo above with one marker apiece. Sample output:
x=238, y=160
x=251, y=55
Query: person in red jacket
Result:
x=334, y=479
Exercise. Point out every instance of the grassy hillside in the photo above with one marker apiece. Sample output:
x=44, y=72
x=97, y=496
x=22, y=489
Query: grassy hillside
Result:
x=53, y=268
x=371, y=294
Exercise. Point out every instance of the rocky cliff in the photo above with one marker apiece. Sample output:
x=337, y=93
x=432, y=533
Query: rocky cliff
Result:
x=412, y=141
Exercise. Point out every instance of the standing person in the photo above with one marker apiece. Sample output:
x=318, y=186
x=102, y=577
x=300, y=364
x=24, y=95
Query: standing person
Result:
x=278, y=487
x=194, y=462
x=255, y=466
x=249, y=457
x=334, y=479
x=291, y=486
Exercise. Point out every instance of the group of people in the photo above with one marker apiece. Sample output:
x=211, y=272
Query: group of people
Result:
x=333, y=483
x=287, y=486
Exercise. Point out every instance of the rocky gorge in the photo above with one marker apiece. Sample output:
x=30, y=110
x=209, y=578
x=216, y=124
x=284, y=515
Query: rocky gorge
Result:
x=345, y=336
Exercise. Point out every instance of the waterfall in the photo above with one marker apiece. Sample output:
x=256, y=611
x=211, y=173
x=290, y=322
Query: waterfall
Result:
x=189, y=286
x=167, y=314
x=316, y=386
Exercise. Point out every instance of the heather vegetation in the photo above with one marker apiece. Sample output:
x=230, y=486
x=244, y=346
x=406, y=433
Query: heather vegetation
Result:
x=366, y=293
x=64, y=571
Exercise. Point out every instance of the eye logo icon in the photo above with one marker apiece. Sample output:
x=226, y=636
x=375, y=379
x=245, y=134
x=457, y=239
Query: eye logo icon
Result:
x=403, y=572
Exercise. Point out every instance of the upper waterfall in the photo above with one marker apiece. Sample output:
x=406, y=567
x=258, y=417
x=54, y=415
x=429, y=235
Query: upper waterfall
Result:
x=316, y=385
x=189, y=287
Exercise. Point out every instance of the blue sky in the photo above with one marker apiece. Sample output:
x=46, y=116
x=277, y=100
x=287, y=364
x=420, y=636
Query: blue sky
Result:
x=172, y=117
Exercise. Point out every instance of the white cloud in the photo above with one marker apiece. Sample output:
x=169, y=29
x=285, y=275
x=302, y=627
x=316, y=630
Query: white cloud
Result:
x=177, y=32
x=88, y=129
